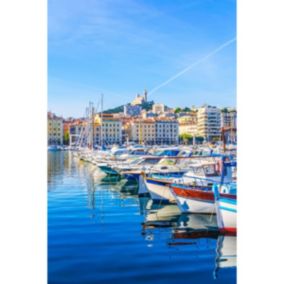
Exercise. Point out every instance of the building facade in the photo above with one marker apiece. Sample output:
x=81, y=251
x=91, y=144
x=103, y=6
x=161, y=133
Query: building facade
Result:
x=108, y=130
x=188, y=128
x=188, y=124
x=143, y=131
x=132, y=110
x=78, y=132
x=158, y=108
x=55, y=129
x=228, y=118
x=209, y=123
x=167, y=131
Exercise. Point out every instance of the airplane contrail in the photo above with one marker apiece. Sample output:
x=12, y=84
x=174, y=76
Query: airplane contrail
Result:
x=222, y=46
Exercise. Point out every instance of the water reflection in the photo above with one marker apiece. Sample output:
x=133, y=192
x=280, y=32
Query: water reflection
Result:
x=55, y=167
x=158, y=215
x=226, y=257
x=180, y=231
x=94, y=221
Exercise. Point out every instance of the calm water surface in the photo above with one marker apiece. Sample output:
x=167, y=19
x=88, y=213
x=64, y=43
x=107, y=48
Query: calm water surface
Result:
x=99, y=231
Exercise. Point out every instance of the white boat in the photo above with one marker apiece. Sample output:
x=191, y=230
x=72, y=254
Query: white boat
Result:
x=226, y=209
x=199, y=174
x=197, y=196
x=159, y=189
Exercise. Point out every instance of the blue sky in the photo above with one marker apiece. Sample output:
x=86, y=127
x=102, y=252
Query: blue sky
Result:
x=121, y=47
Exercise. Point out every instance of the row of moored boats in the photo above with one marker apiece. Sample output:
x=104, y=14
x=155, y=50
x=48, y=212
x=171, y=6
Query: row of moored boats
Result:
x=199, y=179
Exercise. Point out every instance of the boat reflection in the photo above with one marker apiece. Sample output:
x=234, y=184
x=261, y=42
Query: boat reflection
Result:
x=159, y=215
x=226, y=255
x=194, y=226
x=169, y=215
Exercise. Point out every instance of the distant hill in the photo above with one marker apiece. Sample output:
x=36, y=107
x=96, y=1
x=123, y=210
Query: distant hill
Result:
x=146, y=105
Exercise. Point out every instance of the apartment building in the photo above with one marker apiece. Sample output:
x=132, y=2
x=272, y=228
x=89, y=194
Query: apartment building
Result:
x=78, y=131
x=209, y=122
x=228, y=118
x=143, y=131
x=55, y=129
x=107, y=130
x=188, y=124
x=167, y=131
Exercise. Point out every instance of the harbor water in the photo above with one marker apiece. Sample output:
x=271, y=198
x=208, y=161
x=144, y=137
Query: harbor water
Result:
x=100, y=231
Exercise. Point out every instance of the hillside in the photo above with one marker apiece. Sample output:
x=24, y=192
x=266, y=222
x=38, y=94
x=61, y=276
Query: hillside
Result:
x=146, y=105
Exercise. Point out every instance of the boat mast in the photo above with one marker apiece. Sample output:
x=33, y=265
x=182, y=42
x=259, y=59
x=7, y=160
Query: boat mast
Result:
x=92, y=126
x=102, y=101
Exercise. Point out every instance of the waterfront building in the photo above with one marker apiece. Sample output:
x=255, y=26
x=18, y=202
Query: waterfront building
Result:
x=209, y=122
x=188, y=128
x=158, y=108
x=132, y=110
x=188, y=124
x=167, y=131
x=143, y=131
x=229, y=125
x=126, y=127
x=55, y=129
x=78, y=130
x=228, y=118
x=107, y=130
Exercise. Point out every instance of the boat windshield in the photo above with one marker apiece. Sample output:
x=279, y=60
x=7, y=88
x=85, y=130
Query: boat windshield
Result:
x=184, y=154
x=135, y=161
x=167, y=152
x=151, y=161
x=167, y=162
x=210, y=170
x=120, y=152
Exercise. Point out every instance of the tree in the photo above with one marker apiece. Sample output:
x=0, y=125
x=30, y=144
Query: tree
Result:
x=215, y=139
x=187, y=109
x=66, y=138
x=199, y=139
x=186, y=138
x=178, y=110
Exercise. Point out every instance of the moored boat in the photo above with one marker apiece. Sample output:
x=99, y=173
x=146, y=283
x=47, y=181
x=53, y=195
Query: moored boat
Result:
x=198, y=196
x=159, y=189
x=226, y=209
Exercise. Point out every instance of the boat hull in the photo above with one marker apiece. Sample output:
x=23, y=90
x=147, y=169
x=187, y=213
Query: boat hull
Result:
x=193, y=200
x=159, y=190
x=227, y=215
x=108, y=170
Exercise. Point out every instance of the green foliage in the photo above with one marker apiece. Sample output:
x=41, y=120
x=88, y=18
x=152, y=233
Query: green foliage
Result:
x=178, y=110
x=66, y=138
x=186, y=138
x=146, y=106
x=186, y=109
x=215, y=139
x=224, y=109
x=115, y=110
x=199, y=139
